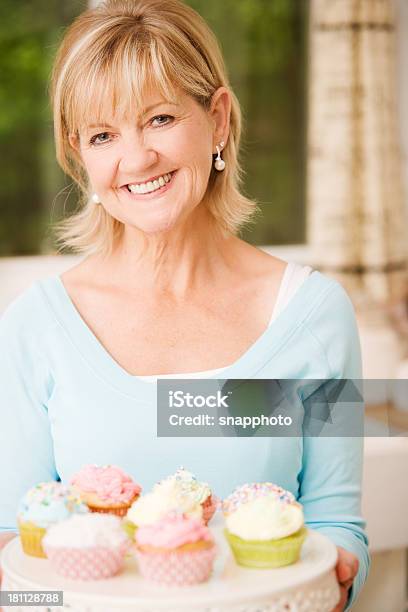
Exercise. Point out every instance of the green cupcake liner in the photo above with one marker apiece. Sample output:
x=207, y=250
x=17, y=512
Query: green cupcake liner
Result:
x=266, y=553
x=129, y=528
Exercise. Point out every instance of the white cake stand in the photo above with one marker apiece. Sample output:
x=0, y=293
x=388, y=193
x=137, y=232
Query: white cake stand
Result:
x=309, y=585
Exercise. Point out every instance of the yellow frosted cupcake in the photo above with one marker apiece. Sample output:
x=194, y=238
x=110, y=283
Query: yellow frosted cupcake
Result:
x=264, y=526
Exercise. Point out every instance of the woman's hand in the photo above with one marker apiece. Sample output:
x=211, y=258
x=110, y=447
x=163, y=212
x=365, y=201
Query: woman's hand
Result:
x=346, y=571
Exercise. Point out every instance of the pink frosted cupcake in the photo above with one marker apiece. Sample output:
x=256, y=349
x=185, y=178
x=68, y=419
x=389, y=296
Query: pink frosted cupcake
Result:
x=87, y=547
x=175, y=551
x=106, y=489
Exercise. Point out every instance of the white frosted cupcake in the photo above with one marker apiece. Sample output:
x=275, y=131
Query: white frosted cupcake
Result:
x=190, y=491
x=87, y=547
x=265, y=526
x=157, y=504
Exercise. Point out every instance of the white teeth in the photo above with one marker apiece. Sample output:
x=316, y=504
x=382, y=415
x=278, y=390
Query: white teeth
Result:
x=150, y=185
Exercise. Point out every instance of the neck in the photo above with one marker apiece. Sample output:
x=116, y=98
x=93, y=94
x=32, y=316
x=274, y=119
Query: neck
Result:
x=178, y=261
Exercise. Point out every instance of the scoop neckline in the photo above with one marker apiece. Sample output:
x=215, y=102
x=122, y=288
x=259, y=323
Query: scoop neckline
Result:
x=213, y=372
x=101, y=361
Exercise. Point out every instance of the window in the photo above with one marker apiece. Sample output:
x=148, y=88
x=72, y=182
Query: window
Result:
x=264, y=45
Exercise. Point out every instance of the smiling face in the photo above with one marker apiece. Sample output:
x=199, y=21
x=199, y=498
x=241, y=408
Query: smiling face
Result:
x=151, y=171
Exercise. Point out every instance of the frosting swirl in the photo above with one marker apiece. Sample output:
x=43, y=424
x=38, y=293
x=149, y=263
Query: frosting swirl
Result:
x=158, y=503
x=187, y=486
x=265, y=518
x=247, y=492
x=48, y=503
x=108, y=482
x=86, y=531
x=172, y=531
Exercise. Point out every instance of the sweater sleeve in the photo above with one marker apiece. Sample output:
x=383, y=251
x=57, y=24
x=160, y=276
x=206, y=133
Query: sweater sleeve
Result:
x=26, y=449
x=331, y=477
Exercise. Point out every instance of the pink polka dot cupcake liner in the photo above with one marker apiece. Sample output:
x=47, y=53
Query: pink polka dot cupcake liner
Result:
x=177, y=568
x=95, y=563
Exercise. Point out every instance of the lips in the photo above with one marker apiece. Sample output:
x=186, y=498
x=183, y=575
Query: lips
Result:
x=142, y=194
x=149, y=180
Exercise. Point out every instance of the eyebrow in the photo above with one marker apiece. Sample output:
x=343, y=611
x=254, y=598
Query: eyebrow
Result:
x=144, y=111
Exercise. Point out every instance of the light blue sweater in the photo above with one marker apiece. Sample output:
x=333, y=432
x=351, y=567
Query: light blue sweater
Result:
x=65, y=402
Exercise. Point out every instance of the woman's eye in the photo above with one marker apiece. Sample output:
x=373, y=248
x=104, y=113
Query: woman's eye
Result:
x=99, y=139
x=161, y=120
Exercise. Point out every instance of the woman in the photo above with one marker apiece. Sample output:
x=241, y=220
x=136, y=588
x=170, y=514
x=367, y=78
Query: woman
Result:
x=147, y=125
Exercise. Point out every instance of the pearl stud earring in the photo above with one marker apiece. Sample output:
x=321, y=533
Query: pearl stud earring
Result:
x=219, y=164
x=95, y=198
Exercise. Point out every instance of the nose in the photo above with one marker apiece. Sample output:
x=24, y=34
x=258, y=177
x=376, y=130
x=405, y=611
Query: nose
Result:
x=137, y=155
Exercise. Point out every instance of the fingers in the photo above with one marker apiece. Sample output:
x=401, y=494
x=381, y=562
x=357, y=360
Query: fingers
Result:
x=344, y=572
x=347, y=566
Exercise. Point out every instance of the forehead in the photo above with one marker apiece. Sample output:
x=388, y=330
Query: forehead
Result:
x=129, y=115
x=117, y=75
x=123, y=106
x=128, y=112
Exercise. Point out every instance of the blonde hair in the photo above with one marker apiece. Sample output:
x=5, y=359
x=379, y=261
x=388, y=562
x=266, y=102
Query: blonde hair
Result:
x=108, y=58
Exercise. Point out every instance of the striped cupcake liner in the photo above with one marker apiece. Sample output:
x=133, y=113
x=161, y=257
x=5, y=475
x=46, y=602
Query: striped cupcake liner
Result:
x=120, y=511
x=266, y=553
x=31, y=539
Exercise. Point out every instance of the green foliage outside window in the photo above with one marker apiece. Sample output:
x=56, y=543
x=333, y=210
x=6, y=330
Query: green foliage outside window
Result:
x=264, y=46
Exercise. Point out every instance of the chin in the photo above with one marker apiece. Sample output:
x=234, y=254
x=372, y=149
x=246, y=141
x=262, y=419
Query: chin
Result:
x=156, y=226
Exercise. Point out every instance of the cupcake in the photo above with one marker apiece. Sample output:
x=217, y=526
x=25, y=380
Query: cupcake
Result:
x=190, y=491
x=175, y=551
x=106, y=489
x=41, y=507
x=157, y=504
x=264, y=526
x=87, y=547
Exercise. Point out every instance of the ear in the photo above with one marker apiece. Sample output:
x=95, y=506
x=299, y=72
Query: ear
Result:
x=220, y=111
x=74, y=142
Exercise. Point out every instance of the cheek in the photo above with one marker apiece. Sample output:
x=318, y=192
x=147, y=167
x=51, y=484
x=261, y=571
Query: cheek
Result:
x=100, y=169
x=193, y=145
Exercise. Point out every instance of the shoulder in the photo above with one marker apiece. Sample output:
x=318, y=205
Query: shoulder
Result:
x=332, y=322
x=29, y=315
x=332, y=304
